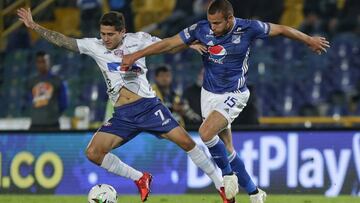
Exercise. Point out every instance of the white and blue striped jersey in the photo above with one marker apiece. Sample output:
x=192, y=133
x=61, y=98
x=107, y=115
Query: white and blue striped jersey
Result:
x=109, y=62
x=226, y=62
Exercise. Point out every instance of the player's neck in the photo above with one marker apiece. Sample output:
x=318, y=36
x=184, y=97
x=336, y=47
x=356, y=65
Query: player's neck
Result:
x=117, y=45
x=229, y=29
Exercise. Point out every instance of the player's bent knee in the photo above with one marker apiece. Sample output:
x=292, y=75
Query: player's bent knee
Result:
x=94, y=155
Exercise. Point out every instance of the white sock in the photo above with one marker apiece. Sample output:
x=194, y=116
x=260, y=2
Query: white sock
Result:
x=204, y=162
x=114, y=165
x=212, y=142
x=232, y=156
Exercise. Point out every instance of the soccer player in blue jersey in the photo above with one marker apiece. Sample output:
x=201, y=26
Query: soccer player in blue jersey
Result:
x=224, y=94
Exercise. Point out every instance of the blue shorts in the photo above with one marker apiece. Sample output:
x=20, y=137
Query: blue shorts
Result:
x=144, y=115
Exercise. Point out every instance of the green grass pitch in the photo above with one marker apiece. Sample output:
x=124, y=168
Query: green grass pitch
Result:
x=199, y=198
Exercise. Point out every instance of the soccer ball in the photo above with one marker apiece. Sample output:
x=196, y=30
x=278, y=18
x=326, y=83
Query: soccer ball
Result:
x=102, y=193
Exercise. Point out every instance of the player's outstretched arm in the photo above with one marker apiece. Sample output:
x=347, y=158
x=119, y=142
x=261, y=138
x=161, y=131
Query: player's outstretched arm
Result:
x=197, y=46
x=316, y=44
x=164, y=46
x=54, y=37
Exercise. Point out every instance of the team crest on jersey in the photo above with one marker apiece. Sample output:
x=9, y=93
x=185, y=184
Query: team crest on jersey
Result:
x=217, y=54
x=210, y=35
x=118, y=52
x=236, y=39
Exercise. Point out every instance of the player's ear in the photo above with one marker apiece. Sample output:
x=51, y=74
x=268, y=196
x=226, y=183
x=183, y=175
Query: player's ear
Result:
x=230, y=17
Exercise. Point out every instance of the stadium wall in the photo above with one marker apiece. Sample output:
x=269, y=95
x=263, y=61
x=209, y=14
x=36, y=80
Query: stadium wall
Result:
x=293, y=162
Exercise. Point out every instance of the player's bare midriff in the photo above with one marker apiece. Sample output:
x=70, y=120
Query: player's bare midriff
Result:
x=126, y=97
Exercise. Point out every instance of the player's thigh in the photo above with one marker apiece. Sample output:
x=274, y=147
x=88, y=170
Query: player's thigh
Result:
x=102, y=143
x=212, y=125
x=226, y=136
x=208, y=102
x=179, y=136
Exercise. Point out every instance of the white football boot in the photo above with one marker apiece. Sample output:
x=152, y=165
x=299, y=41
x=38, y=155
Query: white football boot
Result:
x=231, y=186
x=260, y=197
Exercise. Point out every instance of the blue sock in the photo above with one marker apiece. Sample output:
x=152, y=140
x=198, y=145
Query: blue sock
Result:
x=243, y=177
x=218, y=152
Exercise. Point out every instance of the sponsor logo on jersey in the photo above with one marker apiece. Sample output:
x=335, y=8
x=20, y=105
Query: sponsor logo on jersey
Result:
x=116, y=67
x=134, y=68
x=217, y=54
x=132, y=46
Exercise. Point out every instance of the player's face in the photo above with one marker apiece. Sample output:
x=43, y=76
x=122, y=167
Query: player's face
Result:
x=43, y=64
x=163, y=79
x=110, y=36
x=219, y=24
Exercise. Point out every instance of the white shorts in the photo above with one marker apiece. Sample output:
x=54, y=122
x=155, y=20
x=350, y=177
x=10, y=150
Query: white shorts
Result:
x=229, y=104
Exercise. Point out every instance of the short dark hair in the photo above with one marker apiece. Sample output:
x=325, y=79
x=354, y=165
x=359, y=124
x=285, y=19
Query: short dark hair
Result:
x=41, y=54
x=113, y=18
x=162, y=69
x=223, y=6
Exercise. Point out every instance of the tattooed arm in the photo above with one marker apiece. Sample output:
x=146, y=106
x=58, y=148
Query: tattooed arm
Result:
x=50, y=35
x=57, y=38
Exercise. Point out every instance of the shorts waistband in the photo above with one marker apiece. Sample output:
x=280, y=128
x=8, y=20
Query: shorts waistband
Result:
x=242, y=89
x=135, y=103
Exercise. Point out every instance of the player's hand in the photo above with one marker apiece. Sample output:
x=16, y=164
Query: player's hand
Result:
x=26, y=17
x=128, y=60
x=199, y=47
x=318, y=44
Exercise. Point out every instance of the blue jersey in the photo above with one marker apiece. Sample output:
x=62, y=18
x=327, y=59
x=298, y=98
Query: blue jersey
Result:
x=226, y=62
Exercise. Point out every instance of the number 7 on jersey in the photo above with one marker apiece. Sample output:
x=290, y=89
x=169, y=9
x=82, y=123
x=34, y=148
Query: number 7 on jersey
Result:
x=159, y=112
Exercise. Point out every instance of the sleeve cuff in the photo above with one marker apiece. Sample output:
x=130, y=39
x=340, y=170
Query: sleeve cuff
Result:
x=183, y=38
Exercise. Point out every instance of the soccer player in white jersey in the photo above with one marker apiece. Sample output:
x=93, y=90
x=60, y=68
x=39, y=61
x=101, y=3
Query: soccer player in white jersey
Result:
x=137, y=109
x=224, y=93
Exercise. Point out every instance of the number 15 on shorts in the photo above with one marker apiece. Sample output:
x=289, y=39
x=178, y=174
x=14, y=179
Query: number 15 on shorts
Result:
x=230, y=101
